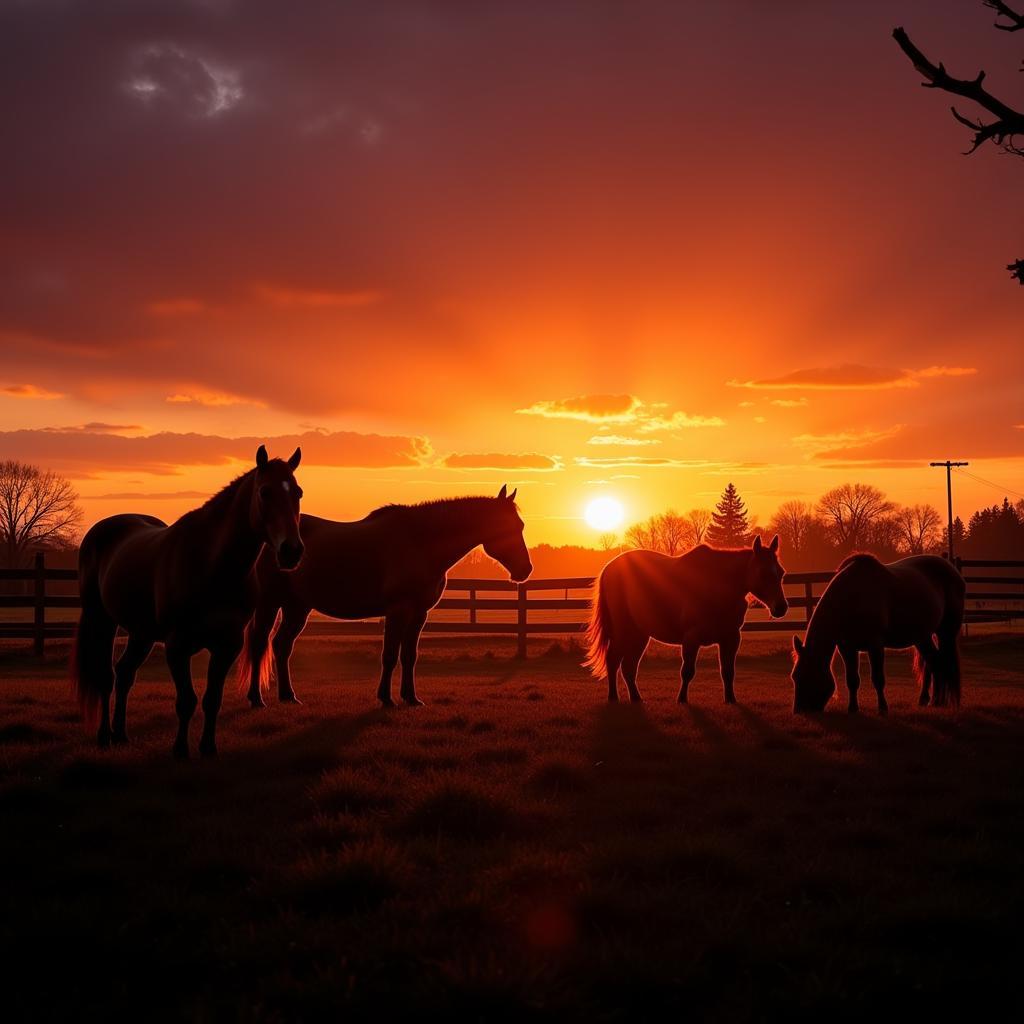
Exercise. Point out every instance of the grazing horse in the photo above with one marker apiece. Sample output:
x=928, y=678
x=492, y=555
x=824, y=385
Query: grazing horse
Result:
x=693, y=600
x=392, y=563
x=868, y=606
x=191, y=585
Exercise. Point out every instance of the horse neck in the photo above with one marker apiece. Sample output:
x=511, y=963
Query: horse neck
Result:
x=447, y=539
x=822, y=632
x=728, y=572
x=233, y=544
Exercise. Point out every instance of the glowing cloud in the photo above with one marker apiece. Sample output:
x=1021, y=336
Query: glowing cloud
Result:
x=852, y=377
x=530, y=461
x=30, y=391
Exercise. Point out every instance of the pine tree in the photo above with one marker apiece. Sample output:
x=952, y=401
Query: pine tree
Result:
x=729, y=527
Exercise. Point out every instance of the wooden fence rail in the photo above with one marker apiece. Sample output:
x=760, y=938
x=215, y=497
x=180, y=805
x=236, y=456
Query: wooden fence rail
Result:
x=516, y=601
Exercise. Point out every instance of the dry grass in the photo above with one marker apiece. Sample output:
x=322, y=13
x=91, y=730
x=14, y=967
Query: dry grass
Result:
x=517, y=848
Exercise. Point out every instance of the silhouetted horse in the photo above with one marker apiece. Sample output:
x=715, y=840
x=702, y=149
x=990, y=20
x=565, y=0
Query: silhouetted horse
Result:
x=693, y=600
x=868, y=606
x=191, y=585
x=392, y=563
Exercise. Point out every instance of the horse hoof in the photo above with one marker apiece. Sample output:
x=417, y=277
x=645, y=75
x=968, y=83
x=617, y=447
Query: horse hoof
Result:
x=923, y=702
x=288, y=698
x=119, y=738
x=884, y=709
x=613, y=700
x=636, y=700
x=412, y=702
x=180, y=751
x=103, y=740
x=730, y=700
x=386, y=702
x=257, y=703
x=682, y=700
x=208, y=749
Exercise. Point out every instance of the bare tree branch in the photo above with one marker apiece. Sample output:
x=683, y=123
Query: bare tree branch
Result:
x=1005, y=11
x=1009, y=122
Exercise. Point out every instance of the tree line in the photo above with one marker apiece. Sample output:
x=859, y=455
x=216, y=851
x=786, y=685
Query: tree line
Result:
x=851, y=517
x=39, y=510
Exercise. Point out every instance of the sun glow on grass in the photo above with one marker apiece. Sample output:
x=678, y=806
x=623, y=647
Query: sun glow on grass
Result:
x=604, y=514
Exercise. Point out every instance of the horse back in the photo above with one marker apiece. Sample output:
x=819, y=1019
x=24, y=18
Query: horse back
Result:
x=352, y=569
x=671, y=598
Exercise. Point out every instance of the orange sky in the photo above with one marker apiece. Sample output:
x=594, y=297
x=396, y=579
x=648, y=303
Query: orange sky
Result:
x=637, y=250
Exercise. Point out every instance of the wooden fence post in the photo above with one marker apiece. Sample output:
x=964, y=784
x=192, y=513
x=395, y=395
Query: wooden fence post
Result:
x=39, y=625
x=521, y=620
x=809, y=594
x=472, y=607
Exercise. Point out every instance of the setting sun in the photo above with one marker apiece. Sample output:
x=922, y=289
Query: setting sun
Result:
x=604, y=514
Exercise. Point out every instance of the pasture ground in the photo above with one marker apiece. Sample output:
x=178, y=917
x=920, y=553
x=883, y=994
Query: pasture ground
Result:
x=518, y=848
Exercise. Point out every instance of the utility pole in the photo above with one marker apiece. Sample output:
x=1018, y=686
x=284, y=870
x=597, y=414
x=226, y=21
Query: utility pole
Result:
x=949, y=498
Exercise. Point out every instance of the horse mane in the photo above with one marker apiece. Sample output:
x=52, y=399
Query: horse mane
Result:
x=446, y=510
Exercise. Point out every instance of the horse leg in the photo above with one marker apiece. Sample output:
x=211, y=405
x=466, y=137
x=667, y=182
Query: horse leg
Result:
x=393, y=625
x=410, y=645
x=135, y=653
x=688, y=671
x=179, y=661
x=293, y=622
x=851, y=659
x=612, y=661
x=630, y=664
x=727, y=650
x=221, y=660
x=258, y=639
x=876, y=656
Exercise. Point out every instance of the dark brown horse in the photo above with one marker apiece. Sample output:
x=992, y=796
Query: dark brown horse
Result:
x=693, y=600
x=392, y=563
x=191, y=585
x=868, y=606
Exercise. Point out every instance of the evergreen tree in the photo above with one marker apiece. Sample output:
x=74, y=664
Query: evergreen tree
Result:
x=729, y=527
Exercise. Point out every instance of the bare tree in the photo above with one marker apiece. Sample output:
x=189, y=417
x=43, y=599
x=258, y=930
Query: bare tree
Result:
x=608, y=541
x=670, y=533
x=1005, y=123
x=793, y=522
x=38, y=508
x=700, y=522
x=920, y=528
x=851, y=510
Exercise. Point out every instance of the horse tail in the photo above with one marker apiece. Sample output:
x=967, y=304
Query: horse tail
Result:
x=598, y=634
x=947, y=669
x=90, y=667
x=255, y=659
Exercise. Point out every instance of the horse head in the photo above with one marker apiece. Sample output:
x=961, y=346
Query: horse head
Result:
x=504, y=540
x=764, y=579
x=813, y=682
x=275, y=506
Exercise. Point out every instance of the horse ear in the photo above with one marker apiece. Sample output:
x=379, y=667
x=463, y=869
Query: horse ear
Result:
x=774, y=546
x=502, y=492
x=512, y=496
x=798, y=645
x=262, y=458
x=293, y=462
x=757, y=543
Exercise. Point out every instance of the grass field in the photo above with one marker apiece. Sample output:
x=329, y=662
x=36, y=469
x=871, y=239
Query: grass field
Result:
x=517, y=848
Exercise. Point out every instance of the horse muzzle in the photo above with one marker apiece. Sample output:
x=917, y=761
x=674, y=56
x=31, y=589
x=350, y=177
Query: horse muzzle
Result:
x=289, y=554
x=779, y=609
x=520, y=575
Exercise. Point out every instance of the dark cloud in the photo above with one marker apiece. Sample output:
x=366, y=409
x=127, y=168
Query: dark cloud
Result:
x=81, y=453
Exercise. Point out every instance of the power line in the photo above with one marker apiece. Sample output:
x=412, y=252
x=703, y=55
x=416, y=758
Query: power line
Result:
x=999, y=487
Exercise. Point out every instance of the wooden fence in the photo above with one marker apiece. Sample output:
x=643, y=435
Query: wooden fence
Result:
x=516, y=601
